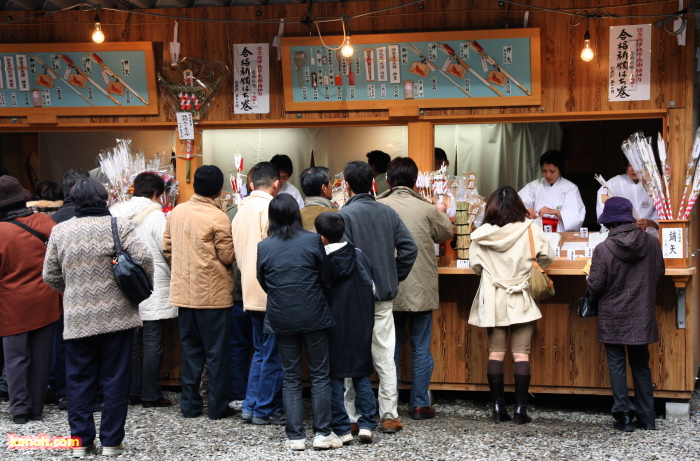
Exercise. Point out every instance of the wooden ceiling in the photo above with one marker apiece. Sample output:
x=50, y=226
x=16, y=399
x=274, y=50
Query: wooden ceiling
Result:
x=54, y=5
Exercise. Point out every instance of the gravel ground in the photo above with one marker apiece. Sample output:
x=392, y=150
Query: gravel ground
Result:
x=461, y=431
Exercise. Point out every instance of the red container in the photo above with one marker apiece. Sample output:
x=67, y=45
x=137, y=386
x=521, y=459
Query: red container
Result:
x=550, y=221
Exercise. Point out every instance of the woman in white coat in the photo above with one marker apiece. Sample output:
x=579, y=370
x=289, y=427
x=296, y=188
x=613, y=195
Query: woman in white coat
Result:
x=554, y=196
x=500, y=253
x=145, y=211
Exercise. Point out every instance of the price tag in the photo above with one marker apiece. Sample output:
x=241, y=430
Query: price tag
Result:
x=589, y=252
x=584, y=232
x=557, y=252
x=547, y=228
x=571, y=255
x=462, y=263
x=185, y=126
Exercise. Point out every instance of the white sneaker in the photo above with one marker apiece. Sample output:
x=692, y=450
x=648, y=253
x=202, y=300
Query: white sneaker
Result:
x=113, y=451
x=346, y=439
x=82, y=452
x=365, y=436
x=297, y=445
x=236, y=405
x=324, y=442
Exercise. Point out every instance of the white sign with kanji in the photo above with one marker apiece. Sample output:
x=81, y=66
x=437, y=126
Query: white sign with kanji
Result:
x=672, y=244
x=185, y=125
x=251, y=78
x=629, y=77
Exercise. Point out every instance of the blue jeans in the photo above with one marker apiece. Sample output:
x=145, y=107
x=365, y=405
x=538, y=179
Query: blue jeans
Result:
x=365, y=404
x=102, y=358
x=204, y=336
x=421, y=327
x=264, y=393
x=240, y=344
x=315, y=344
x=145, y=384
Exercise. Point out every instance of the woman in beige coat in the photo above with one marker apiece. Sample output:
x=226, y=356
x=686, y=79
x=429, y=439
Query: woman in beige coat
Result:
x=500, y=253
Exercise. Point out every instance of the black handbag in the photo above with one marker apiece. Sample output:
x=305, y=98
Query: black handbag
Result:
x=587, y=306
x=130, y=275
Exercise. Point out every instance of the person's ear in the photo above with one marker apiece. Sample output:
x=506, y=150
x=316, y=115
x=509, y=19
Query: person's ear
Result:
x=276, y=184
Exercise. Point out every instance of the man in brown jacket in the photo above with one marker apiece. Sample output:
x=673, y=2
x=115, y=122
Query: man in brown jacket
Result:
x=198, y=245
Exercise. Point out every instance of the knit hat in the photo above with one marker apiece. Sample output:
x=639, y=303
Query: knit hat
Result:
x=208, y=180
x=617, y=209
x=11, y=191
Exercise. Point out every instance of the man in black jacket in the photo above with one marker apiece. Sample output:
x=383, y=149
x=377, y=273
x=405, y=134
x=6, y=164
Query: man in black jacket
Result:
x=378, y=231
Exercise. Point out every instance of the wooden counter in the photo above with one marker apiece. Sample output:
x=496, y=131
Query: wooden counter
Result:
x=566, y=357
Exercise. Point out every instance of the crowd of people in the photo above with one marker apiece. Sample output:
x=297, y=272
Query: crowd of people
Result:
x=277, y=280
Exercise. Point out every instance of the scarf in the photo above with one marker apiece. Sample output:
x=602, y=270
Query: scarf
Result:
x=100, y=210
x=319, y=201
x=16, y=213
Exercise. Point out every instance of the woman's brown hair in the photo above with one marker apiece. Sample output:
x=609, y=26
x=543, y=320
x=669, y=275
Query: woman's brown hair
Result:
x=504, y=207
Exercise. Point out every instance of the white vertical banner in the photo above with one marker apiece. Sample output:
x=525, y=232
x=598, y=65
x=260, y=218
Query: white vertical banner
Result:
x=629, y=78
x=251, y=78
x=672, y=244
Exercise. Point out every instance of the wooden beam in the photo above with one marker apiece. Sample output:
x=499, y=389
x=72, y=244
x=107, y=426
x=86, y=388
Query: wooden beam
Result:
x=187, y=187
x=421, y=140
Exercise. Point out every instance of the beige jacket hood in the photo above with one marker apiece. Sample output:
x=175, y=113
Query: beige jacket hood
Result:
x=501, y=255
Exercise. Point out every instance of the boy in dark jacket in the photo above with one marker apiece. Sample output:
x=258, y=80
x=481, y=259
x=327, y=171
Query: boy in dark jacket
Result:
x=350, y=339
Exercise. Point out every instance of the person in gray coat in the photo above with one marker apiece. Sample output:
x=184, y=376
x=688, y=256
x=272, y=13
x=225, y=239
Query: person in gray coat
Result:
x=625, y=271
x=378, y=231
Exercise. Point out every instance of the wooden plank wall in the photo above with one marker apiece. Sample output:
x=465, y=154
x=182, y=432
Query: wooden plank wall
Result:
x=569, y=84
x=565, y=353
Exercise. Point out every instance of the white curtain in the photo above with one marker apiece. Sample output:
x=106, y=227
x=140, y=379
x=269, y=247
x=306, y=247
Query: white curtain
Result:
x=500, y=153
x=332, y=147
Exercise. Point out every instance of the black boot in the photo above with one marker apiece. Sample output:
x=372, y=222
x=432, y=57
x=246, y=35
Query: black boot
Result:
x=624, y=421
x=522, y=383
x=500, y=412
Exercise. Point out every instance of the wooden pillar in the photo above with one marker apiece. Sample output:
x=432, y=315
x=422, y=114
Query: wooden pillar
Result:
x=187, y=188
x=421, y=140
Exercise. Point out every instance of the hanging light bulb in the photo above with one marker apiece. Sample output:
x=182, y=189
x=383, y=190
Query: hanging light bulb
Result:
x=98, y=36
x=587, y=52
x=347, y=49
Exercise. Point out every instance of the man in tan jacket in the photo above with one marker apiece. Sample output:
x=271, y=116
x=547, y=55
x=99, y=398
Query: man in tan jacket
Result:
x=263, y=401
x=197, y=243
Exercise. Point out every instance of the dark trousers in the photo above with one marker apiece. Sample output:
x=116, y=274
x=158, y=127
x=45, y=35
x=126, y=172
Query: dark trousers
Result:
x=204, y=334
x=641, y=374
x=315, y=344
x=58, y=365
x=27, y=364
x=105, y=359
x=144, y=373
x=240, y=345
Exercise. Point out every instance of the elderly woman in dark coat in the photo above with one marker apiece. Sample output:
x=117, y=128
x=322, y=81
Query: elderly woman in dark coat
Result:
x=625, y=271
x=28, y=307
x=99, y=319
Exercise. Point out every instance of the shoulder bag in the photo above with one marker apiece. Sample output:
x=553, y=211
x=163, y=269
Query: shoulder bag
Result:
x=541, y=286
x=587, y=306
x=130, y=275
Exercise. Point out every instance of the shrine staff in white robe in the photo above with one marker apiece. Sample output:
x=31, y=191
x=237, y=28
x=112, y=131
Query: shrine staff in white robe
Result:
x=628, y=186
x=553, y=195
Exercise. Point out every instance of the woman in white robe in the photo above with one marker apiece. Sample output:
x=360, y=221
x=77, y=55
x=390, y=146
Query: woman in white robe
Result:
x=554, y=196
